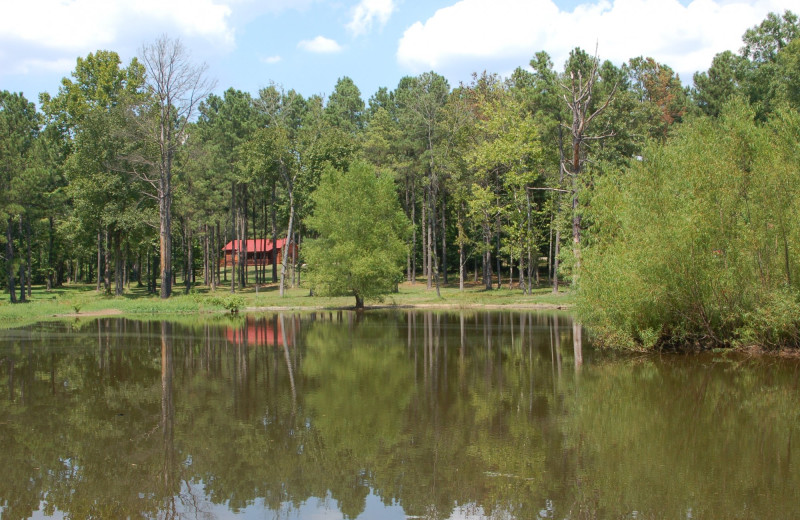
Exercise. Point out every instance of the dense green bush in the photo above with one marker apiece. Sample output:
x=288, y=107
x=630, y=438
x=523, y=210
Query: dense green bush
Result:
x=698, y=243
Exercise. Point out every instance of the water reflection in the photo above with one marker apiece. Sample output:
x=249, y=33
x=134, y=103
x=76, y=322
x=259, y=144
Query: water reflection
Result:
x=434, y=415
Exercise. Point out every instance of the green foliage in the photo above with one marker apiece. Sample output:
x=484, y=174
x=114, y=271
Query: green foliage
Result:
x=360, y=248
x=231, y=302
x=699, y=242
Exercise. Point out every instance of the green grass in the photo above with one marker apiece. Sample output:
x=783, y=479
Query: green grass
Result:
x=78, y=300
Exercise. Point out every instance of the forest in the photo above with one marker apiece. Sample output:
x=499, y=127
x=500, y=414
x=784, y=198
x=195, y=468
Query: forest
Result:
x=669, y=208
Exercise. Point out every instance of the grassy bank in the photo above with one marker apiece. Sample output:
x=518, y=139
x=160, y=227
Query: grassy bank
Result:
x=84, y=300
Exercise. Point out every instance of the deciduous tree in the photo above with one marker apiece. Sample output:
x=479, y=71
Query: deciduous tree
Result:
x=360, y=246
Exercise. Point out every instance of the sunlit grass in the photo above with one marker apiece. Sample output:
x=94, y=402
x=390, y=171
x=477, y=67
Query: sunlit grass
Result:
x=77, y=300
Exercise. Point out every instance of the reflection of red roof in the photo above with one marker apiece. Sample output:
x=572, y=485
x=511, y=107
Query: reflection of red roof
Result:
x=258, y=332
x=258, y=245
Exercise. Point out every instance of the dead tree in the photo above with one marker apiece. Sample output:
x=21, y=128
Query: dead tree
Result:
x=175, y=86
x=578, y=97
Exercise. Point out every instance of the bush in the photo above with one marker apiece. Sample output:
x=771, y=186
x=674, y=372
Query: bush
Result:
x=231, y=302
x=698, y=243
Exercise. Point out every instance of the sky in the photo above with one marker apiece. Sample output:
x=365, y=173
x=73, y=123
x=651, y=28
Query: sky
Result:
x=307, y=45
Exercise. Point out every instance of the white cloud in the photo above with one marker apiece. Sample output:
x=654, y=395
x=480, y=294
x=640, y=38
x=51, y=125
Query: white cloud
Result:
x=483, y=33
x=321, y=45
x=59, y=30
x=81, y=24
x=366, y=12
x=271, y=60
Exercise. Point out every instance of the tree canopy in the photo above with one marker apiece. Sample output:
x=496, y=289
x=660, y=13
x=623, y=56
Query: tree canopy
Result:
x=360, y=245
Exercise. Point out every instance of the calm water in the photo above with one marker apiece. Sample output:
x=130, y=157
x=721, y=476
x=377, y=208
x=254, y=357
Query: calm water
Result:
x=392, y=415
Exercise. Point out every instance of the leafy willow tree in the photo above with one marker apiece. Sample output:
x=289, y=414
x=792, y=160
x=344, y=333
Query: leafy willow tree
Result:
x=360, y=245
x=699, y=241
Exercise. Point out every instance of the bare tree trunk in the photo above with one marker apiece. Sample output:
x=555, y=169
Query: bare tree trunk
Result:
x=578, y=98
x=22, y=269
x=274, y=253
x=189, y=258
x=148, y=260
x=204, y=230
x=217, y=252
x=214, y=250
x=461, y=255
x=126, y=272
x=444, y=239
x=165, y=233
x=107, y=263
x=118, y=271
x=10, y=262
x=28, y=257
x=234, y=241
x=432, y=246
x=409, y=210
x=529, y=243
x=487, y=260
x=245, y=278
x=497, y=259
x=288, y=243
x=99, y=259
x=413, y=235
x=425, y=254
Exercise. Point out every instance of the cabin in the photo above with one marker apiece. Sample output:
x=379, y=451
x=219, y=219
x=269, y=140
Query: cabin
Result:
x=259, y=251
x=263, y=332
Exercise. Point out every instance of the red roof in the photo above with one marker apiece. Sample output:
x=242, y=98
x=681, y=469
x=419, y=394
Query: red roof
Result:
x=258, y=245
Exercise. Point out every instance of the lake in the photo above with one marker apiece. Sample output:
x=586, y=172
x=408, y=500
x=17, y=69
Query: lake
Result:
x=395, y=414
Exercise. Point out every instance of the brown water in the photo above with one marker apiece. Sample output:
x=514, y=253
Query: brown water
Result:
x=390, y=415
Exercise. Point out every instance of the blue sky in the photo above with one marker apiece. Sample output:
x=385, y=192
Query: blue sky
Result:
x=307, y=45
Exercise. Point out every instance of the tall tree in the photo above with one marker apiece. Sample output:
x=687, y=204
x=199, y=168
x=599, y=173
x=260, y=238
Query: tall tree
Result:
x=19, y=126
x=579, y=89
x=176, y=87
x=90, y=111
x=421, y=101
x=361, y=255
x=345, y=108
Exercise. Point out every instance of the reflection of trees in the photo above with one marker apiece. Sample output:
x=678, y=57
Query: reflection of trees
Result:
x=429, y=410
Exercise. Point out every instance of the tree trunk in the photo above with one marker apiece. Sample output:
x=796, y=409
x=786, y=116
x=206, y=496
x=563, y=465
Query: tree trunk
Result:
x=444, y=239
x=217, y=252
x=118, y=270
x=425, y=236
x=149, y=266
x=234, y=237
x=99, y=259
x=487, y=261
x=50, y=243
x=28, y=262
x=432, y=246
x=22, y=268
x=10, y=262
x=274, y=253
x=359, y=302
x=165, y=233
x=497, y=256
x=287, y=244
x=413, y=235
x=106, y=263
x=189, y=258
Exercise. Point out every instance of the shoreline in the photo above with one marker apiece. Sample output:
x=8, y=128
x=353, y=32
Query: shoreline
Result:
x=310, y=308
x=751, y=350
